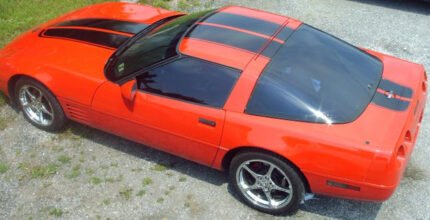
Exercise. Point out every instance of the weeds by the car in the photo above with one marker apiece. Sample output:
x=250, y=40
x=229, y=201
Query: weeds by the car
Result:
x=57, y=212
x=159, y=168
x=126, y=193
x=64, y=159
x=147, y=181
x=3, y=167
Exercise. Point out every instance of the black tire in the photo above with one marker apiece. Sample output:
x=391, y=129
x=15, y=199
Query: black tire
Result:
x=295, y=182
x=59, y=119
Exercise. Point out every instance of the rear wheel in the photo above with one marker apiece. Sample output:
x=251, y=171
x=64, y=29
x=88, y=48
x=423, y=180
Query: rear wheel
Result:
x=39, y=105
x=266, y=183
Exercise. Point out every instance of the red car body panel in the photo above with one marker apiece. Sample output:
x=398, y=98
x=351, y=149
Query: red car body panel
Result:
x=369, y=153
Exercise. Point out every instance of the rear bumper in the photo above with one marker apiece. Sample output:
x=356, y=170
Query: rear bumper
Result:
x=356, y=191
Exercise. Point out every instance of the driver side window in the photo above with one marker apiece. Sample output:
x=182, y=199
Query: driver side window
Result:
x=191, y=80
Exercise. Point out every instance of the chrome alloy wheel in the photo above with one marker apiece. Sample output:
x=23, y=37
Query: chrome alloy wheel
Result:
x=264, y=184
x=36, y=106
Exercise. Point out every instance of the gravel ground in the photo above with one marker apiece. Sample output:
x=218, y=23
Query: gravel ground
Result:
x=84, y=173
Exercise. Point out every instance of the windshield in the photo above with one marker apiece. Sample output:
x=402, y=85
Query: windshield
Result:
x=154, y=47
x=315, y=77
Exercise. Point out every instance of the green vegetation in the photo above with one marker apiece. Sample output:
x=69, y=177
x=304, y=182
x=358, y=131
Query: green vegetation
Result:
x=159, y=168
x=107, y=202
x=95, y=180
x=141, y=193
x=126, y=193
x=186, y=5
x=147, y=181
x=76, y=171
x=64, y=159
x=3, y=123
x=43, y=171
x=56, y=212
x=160, y=200
x=182, y=179
x=3, y=168
x=157, y=3
x=2, y=99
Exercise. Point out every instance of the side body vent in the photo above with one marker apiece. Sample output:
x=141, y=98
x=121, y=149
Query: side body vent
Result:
x=77, y=112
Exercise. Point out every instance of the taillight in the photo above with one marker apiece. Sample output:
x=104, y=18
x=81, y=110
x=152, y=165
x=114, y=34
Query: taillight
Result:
x=401, y=153
x=408, y=136
x=421, y=117
x=424, y=87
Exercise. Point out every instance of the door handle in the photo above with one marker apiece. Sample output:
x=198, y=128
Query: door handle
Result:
x=207, y=122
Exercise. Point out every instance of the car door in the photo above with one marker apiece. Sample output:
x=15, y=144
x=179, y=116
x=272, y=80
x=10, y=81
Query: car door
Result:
x=178, y=108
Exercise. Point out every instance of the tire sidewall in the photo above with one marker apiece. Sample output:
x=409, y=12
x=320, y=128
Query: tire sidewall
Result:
x=59, y=120
x=296, y=182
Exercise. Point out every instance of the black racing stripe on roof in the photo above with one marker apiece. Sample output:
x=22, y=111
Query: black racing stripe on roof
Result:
x=244, y=22
x=274, y=46
x=228, y=37
x=390, y=103
x=397, y=89
x=90, y=36
x=108, y=24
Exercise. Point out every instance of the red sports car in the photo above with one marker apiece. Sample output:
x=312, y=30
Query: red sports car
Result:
x=283, y=107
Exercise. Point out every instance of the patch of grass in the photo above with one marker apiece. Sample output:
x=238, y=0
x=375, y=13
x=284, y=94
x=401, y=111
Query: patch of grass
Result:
x=114, y=179
x=3, y=99
x=182, y=179
x=159, y=168
x=187, y=5
x=57, y=212
x=136, y=169
x=3, y=168
x=89, y=171
x=169, y=174
x=160, y=200
x=95, y=180
x=126, y=193
x=157, y=3
x=3, y=123
x=64, y=159
x=107, y=202
x=43, y=171
x=114, y=164
x=141, y=193
x=76, y=171
x=147, y=181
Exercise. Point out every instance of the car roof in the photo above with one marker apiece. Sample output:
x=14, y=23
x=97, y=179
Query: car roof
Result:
x=233, y=35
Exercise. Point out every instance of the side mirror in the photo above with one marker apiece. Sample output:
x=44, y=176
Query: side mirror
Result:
x=128, y=91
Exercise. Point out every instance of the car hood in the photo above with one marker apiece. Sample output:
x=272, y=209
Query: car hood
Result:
x=81, y=41
x=74, y=48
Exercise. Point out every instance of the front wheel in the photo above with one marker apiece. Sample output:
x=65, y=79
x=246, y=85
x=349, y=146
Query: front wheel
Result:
x=39, y=105
x=266, y=183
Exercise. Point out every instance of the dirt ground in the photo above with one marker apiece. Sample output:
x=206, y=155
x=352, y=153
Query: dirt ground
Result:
x=85, y=173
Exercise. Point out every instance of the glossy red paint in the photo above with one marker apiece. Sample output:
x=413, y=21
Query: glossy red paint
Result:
x=370, y=153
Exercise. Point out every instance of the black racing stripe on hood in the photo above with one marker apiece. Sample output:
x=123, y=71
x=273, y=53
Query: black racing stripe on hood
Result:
x=244, y=22
x=228, y=37
x=90, y=36
x=390, y=103
x=397, y=89
x=107, y=24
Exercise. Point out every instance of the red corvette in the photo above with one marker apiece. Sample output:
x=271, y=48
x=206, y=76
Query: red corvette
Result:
x=285, y=108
